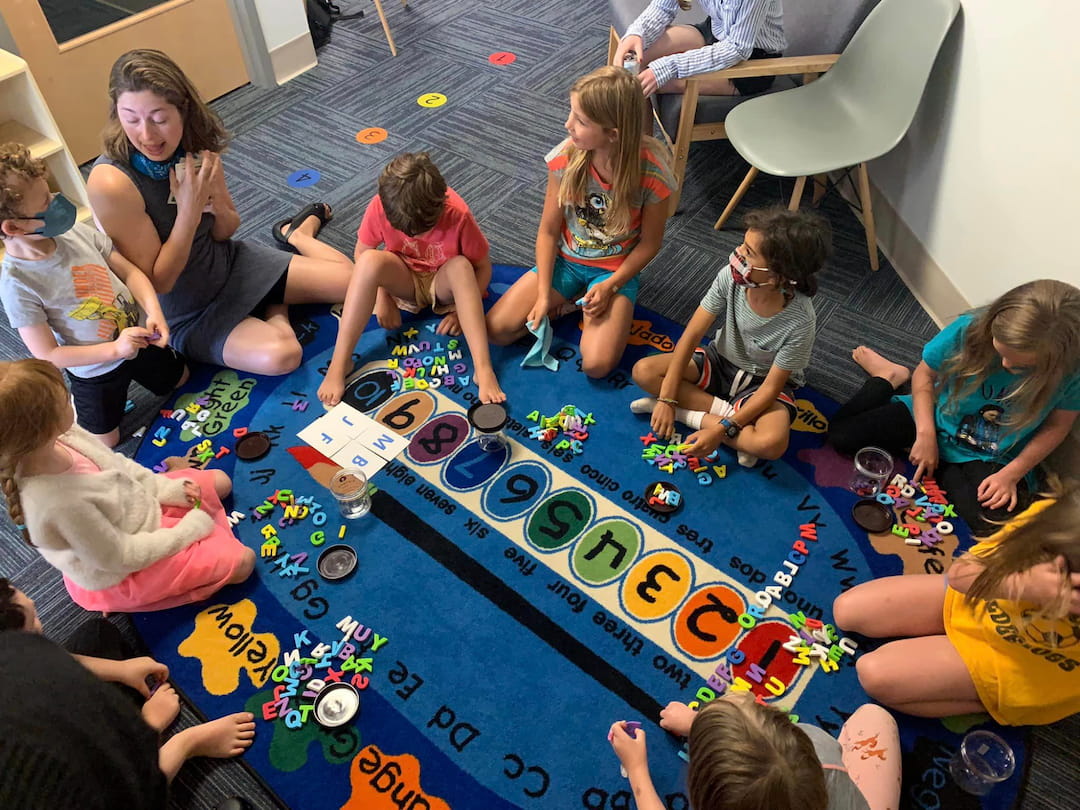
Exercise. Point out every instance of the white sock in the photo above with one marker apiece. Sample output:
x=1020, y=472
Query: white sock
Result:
x=689, y=418
x=746, y=460
x=721, y=407
x=643, y=405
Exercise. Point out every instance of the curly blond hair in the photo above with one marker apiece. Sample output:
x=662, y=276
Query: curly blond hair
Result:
x=17, y=169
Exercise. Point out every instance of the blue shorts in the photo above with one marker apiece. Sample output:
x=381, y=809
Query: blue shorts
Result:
x=572, y=280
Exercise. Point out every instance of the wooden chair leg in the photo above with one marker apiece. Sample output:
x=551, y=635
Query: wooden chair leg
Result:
x=682, y=140
x=736, y=197
x=796, y=194
x=821, y=185
x=612, y=45
x=386, y=27
x=868, y=215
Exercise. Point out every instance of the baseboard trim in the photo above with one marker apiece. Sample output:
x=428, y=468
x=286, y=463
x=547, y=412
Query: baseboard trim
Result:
x=293, y=58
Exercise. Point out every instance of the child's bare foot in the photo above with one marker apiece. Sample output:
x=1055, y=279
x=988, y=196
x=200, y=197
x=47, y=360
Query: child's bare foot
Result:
x=489, y=386
x=161, y=708
x=228, y=736
x=332, y=388
x=387, y=313
x=877, y=366
x=449, y=325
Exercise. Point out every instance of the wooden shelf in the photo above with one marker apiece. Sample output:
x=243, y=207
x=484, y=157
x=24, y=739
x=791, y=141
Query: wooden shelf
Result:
x=40, y=146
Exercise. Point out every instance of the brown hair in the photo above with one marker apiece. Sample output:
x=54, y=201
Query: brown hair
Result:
x=1028, y=540
x=795, y=244
x=12, y=616
x=1042, y=318
x=146, y=69
x=745, y=756
x=17, y=168
x=611, y=98
x=32, y=400
x=413, y=193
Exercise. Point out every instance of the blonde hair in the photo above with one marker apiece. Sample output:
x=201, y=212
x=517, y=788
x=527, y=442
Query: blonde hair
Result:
x=745, y=756
x=1028, y=540
x=610, y=97
x=32, y=400
x=146, y=69
x=17, y=169
x=1040, y=317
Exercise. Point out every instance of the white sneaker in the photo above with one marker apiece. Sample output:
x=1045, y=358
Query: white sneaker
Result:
x=643, y=405
x=746, y=460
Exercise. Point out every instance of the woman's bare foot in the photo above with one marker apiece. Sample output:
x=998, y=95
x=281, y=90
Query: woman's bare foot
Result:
x=877, y=366
x=161, y=708
x=488, y=383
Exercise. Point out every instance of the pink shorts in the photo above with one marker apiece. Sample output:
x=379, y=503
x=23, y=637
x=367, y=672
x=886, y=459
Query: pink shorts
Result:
x=192, y=575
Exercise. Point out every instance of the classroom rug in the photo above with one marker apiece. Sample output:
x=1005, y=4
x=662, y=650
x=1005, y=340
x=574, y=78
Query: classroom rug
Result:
x=509, y=605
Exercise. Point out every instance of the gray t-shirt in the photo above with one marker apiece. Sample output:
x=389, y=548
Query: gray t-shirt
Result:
x=843, y=793
x=754, y=343
x=73, y=291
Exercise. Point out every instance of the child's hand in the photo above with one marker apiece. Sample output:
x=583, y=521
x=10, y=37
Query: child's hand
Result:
x=997, y=490
x=663, y=420
x=449, y=325
x=676, y=717
x=598, y=300
x=387, y=313
x=131, y=340
x=924, y=455
x=628, y=44
x=193, y=492
x=631, y=751
x=648, y=82
x=155, y=325
x=134, y=671
x=332, y=388
x=538, y=312
x=703, y=442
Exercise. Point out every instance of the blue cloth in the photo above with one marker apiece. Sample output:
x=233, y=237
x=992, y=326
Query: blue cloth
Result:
x=540, y=353
x=972, y=430
x=570, y=280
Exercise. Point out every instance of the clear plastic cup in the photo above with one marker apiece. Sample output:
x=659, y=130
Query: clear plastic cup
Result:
x=982, y=761
x=349, y=486
x=873, y=466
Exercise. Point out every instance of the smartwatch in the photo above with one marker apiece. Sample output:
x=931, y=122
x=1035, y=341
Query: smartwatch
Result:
x=731, y=427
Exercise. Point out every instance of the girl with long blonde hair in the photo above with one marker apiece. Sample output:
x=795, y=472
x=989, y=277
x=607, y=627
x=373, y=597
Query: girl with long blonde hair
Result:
x=996, y=392
x=999, y=632
x=603, y=221
x=124, y=538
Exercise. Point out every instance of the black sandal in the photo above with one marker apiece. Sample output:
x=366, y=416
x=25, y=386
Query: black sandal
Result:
x=320, y=209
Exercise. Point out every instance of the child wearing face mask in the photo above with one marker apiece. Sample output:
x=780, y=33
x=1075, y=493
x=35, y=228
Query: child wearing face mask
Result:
x=76, y=301
x=739, y=390
x=996, y=392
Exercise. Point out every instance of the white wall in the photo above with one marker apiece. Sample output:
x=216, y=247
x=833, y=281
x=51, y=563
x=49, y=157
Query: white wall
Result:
x=282, y=21
x=988, y=177
x=275, y=37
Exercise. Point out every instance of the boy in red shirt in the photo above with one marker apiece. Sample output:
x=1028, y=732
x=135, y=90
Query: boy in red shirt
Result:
x=433, y=255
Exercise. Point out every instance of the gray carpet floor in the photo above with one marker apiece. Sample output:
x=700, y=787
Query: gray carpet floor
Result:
x=489, y=140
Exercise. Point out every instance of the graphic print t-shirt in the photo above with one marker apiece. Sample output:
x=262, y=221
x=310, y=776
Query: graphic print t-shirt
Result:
x=587, y=237
x=73, y=291
x=974, y=430
x=455, y=234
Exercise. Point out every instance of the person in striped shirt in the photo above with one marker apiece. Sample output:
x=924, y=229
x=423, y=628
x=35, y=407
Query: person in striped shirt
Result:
x=603, y=221
x=734, y=31
x=739, y=389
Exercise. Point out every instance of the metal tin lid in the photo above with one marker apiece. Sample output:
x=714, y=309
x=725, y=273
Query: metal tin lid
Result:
x=252, y=446
x=336, y=704
x=336, y=562
x=871, y=515
x=488, y=417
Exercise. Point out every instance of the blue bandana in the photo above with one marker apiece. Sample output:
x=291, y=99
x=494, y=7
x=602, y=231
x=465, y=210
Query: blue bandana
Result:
x=154, y=169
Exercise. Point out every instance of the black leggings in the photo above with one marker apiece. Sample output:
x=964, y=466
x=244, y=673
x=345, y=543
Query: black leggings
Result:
x=871, y=418
x=100, y=638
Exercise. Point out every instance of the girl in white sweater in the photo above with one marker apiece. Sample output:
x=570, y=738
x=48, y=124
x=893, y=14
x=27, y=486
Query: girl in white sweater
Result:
x=124, y=538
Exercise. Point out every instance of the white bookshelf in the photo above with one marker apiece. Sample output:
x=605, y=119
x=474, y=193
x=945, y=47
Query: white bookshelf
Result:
x=25, y=118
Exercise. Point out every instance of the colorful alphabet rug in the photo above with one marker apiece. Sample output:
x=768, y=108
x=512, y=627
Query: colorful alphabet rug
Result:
x=513, y=596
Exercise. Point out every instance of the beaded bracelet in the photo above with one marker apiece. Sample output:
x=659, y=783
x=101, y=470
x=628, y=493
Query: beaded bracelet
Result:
x=674, y=403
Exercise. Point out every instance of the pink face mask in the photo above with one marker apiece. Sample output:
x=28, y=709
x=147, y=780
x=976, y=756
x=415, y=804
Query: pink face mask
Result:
x=740, y=272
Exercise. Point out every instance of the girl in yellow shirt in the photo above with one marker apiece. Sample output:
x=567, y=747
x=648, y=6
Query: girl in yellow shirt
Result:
x=1000, y=632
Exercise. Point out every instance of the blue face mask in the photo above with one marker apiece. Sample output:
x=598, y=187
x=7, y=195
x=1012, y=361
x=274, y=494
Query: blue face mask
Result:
x=59, y=217
x=154, y=169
